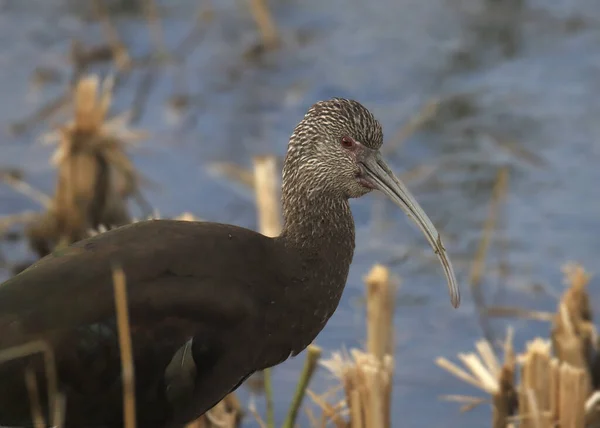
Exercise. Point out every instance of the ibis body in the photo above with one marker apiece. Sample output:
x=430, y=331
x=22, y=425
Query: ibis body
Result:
x=209, y=303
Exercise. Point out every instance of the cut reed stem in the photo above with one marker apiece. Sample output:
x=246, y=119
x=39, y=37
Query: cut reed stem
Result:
x=556, y=386
x=127, y=368
x=267, y=195
x=380, y=310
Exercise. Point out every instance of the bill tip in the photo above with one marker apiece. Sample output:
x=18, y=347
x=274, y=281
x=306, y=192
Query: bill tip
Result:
x=455, y=300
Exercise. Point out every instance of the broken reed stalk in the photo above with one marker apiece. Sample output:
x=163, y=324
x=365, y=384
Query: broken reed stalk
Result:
x=487, y=374
x=269, y=224
x=380, y=311
x=313, y=353
x=380, y=329
x=552, y=393
x=127, y=368
x=535, y=392
x=266, y=25
x=376, y=403
x=573, y=396
x=267, y=195
x=478, y=266
x=556, y=374
x=503, y=399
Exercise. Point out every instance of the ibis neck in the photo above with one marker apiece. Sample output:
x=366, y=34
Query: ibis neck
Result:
x=317, y=217
x=318, y=220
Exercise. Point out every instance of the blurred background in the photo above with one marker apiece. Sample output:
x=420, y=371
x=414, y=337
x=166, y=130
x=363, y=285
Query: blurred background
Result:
x=490, y=110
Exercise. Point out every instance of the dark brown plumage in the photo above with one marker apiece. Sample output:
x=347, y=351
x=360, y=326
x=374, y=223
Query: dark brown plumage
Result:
x=209, y=303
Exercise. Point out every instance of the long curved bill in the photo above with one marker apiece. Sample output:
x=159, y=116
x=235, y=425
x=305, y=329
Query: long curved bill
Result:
x=384, y=180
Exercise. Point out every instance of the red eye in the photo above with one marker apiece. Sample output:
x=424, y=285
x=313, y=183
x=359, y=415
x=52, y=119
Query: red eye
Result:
x=347, y=142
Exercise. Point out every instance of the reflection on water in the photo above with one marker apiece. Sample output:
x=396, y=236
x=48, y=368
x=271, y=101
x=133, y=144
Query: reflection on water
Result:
x=516, y=83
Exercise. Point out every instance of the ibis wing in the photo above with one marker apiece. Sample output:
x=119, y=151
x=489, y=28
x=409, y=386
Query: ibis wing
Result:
x=203, y=301
x=183, y=280
x=172, y=268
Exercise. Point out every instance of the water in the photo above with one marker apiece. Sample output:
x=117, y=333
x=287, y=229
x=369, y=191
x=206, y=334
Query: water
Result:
x=519, y=85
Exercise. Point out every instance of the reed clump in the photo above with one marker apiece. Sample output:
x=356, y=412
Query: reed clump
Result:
x=554, y=382
x=95, y=175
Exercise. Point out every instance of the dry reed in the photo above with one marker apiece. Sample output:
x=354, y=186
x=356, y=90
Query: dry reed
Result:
x=266, y=185
x=95, y=175
x=556, y=377
x=265, y=23
x=126, y=352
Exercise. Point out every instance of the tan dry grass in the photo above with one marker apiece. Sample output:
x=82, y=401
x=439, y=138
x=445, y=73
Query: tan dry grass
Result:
x=556, y=375
x=95, y=175
x=125, y=347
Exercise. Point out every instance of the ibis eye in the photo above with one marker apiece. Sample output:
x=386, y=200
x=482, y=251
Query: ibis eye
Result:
x=347, y=142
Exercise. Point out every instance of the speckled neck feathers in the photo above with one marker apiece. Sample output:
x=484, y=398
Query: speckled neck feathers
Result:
x=314, y=219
